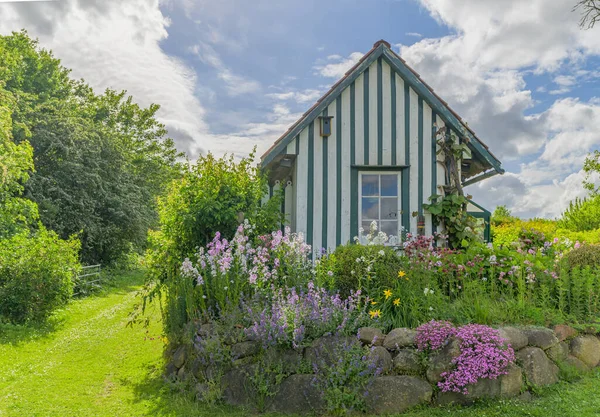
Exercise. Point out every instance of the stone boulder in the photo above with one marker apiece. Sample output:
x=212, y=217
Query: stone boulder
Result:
x=244, y=349
x=538, y=369
x=179, y=357
x=297, y=394
x=237, y=387
x=327, y=349
x=515, y=337
x=577, y=364
x=541, y=337
x=511, y=383
x=586, y=349
x=382, y=359
x=558, y=353
x=371, y=336
x=289, y=359
x=396, y=394
x=441, y=361
x=399, y=338
x=407, y=362
x=506, y=386
x=564, y=332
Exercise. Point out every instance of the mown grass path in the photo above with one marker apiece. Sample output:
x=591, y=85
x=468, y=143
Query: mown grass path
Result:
x=86, y=362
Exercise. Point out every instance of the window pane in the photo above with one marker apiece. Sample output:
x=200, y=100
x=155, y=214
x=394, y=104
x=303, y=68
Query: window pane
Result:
x=389, y=208
x=389, y=185
x=370, y=185
x=366, y=225
x=370, y=208
x=390, y=228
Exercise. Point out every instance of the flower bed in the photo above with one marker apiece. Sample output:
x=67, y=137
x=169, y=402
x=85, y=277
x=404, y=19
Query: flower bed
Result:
x=261, y=319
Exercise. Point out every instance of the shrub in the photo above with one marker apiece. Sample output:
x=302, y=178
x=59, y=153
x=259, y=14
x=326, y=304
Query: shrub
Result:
x=585, y=255
x=36, y=275
x=582, y=215
x=356, y=266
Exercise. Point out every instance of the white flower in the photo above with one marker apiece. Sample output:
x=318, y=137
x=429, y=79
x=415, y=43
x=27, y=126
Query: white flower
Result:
x=484, y=279
x=204, y=296
x=225, y=288
x=352, y=272
x=381, y=253
x=358, y=260
x=430, y=308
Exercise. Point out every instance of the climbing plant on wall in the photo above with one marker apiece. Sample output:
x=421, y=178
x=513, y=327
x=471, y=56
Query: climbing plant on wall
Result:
x=450, y=209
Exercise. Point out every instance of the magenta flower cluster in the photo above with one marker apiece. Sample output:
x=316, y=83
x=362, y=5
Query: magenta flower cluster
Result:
x=434, y=335
x=483, y=353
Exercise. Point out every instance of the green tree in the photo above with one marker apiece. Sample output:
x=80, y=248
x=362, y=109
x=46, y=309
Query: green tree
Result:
x=501, y=215
x=16, y=163
x=101, y=160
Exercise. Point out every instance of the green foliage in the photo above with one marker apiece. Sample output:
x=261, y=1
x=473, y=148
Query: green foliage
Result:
x=585, y=255
x=101, y=160
x=205, y=201
x=582, y=215
x=358, y=267
x=266, y=376
x=36, y=275
x=501, y=215
x=16, y=163
x=209, y=199
x=451, y=212
x=345, y=381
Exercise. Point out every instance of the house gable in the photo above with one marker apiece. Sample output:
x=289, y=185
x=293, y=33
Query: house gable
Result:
x=381, y=50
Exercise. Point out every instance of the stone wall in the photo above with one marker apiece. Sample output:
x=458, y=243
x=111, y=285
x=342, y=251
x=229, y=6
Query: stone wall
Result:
x=408, y=378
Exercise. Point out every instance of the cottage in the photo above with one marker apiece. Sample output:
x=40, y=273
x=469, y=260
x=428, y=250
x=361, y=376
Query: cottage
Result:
x=366, y=151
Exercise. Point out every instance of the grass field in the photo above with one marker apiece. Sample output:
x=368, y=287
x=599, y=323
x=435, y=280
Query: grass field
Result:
x=86, y=362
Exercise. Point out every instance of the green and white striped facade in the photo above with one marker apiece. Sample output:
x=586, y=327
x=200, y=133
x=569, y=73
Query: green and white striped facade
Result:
x=384, y=123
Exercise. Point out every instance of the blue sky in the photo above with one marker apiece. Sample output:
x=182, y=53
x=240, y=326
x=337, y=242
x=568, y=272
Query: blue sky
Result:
x=234, y=74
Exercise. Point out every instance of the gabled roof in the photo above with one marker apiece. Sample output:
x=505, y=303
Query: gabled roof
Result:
x=382, y=49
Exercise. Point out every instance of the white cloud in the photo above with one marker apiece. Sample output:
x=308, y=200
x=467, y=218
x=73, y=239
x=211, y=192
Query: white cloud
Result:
x=301, y=97
x=338, y=68
x=414, y=34
x=261, y=134
x=235, y=84
x=113, y=44
x=480, y=70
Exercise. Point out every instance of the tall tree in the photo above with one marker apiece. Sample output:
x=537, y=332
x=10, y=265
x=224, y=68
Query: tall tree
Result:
x=590, y=12
x=101, y=160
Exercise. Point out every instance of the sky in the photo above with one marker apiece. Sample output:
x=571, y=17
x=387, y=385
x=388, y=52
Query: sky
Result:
x=231, y=75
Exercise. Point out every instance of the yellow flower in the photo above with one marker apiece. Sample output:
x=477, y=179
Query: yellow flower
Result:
x=375, y=314
x=401, y=274
x=373, y=303
x=387, y=293
x=397, y=302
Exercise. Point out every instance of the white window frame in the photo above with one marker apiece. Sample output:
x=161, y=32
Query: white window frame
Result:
x=399, y=197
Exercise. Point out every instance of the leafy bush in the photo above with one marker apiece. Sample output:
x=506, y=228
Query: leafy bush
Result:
x=585, y=255
x=36, y=275
x=357, y=267
x=582, y=215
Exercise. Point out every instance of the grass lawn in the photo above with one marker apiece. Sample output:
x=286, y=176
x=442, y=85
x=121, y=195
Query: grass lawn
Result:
x=86, y=362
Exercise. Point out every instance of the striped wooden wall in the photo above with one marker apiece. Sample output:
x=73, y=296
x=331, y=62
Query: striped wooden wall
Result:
x=378, y=120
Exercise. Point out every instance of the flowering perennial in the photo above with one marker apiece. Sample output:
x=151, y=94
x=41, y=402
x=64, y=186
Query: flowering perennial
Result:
x=295, y=317
x=483, y=353
x=434, y=335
